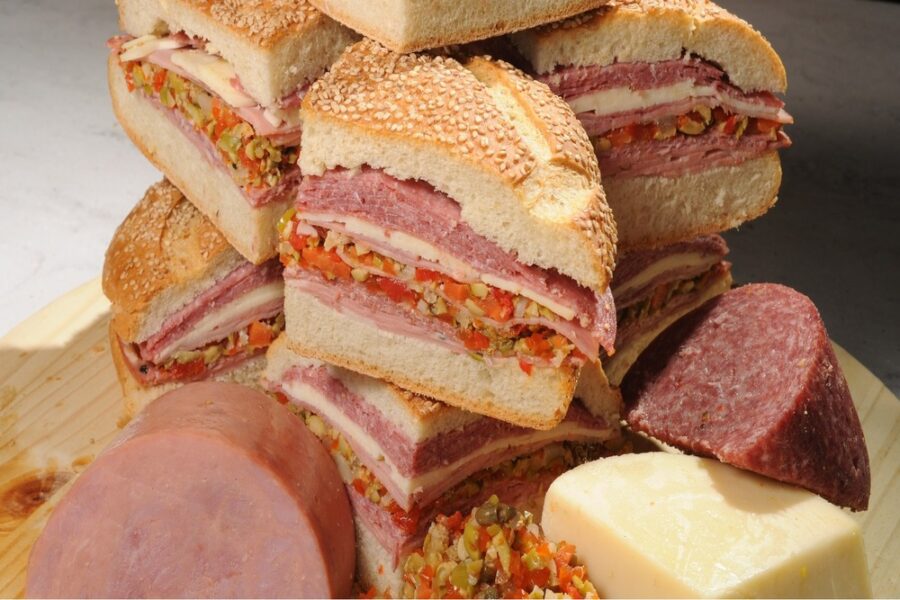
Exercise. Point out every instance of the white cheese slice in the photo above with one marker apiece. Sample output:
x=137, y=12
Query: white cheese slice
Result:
x=218, y=323
x=624, y=99
x=669, y=525
x=215, y=73
x=144, y=46
x=417, y=247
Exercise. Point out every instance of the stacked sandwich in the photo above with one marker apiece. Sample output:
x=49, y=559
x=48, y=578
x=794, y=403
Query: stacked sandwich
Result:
x=679, y=100
x=210, y=93
x=440, y=314
x=410, y=240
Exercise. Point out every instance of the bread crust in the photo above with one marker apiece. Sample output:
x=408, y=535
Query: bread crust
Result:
x=657, y=211
x=422, y=417
x=502, y=391
x=655, y=30
x=163, y=243
x=509, y=151
x=274, y=45
x=251, y=231
x=446, y=31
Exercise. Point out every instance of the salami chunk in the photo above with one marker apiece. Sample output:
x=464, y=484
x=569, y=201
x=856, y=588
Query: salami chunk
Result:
x=214, y=490
x=751, y=379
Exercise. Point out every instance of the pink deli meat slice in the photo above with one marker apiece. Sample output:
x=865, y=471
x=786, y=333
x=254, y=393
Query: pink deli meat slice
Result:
x=572, y=82
x=240, y=282
x=681, y=154
x=751, y=379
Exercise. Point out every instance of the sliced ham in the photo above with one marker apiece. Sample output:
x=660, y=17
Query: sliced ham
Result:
x=221, y=296
x=150, y=375
x=418, y=211
x=614, y=96
x=417, y=471
x=681, y=154
x=574, y=82
x=639, y=272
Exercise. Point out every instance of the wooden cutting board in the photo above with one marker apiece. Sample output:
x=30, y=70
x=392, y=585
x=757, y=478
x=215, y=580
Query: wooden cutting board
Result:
x=60, y=405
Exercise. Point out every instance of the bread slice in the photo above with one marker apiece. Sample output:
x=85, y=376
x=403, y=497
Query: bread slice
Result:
x=211, y=189
x=412, y=25
x=136, y=397
x=655, y=30
x=509, y=151
x=374, y=565
x=417, y=417
x=657, y=211
x=619, y=363
x=501, y=390
x=274, y=45
x=164, y=254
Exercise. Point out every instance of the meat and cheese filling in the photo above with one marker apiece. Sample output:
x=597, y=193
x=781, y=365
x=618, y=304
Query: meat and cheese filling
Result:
x=199, y=91
x=404, y=457
x=397, y=252
x=669, y=118
x=523, y=480
x=235, y=319
x=653, y=288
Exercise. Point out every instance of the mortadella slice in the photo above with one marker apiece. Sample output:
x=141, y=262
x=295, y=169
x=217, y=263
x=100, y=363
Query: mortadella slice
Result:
x=751, y=379
x=214, y=490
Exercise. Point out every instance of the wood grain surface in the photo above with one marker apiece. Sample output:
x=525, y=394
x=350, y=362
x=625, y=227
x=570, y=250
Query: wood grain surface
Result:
x=60, y=405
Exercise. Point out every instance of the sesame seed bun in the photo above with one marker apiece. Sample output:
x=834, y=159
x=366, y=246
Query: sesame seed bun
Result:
x=273, y=45
x=160, y=258
x=655, y=30
x=412, y=25
x=509, y=151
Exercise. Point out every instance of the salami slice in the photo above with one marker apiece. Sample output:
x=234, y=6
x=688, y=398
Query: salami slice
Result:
x=751, y=379
x=214, y=490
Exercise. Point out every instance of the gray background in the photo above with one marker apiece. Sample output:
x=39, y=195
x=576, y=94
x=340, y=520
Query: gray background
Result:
x=68, y=175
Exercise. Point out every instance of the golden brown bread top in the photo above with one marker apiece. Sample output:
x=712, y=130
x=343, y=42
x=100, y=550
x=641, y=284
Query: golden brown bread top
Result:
x=700, y=9
x=438, y=100
x=433, y=99
x=163, y=243
x=699, y=20
x=262, y=21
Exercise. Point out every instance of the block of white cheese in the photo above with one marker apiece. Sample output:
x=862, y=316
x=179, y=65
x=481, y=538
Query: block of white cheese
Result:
x=670, y=525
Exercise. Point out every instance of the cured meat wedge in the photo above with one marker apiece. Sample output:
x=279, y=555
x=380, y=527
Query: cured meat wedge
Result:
x=751, y=379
